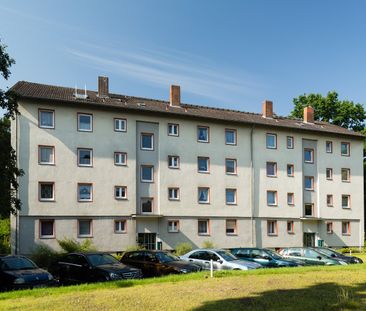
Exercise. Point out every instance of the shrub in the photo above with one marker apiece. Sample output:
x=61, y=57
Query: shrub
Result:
x=5, y=236
x=208, y=244
x=183, y=248
x=71, y=245
x=44, y=256
x=134, y=248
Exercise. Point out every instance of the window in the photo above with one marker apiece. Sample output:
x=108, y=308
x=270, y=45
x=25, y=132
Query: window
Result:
x=329, y=199
x=346, y=201
x=120, y=192
x=231, y=227
x=308, y=209
x=230, y=166
x=345, y=149
x=173, y=161
x=231, y=196
x=290, y=170
x=271, y=141
x=308, y=155
x=85, y=228
x=329, y=173
x=230, y=137
x=46, y=155
x=46, y=191
x=290, y=227
x=203, y=195
x=173, y=129
x=85, y=192
x=46, y=119
x=329, y=227
x=173, y=194
x=290, y=198
x=147, y=173
x=346, y=228
x=120, y=226
x=46, y=228
x=120, y=125
x=271, y=168
x=309, y=183
x=272, y=227
x=203, y=134
x=85, y=122
x=346, y=174
x=290, y=142
x=173, y=226
x=146, y=205
x=203, y=164
x=272, y=198
x=120, y=158
x=85, y=157
x=328, y=147
x=203, y=227
x=147, y=141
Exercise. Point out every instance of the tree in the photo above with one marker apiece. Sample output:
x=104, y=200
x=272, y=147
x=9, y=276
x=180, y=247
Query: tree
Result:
x=9, y=173
x=330, y=109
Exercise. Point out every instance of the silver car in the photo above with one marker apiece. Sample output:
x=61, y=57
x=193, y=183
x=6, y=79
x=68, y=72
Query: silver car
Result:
x=222, y=260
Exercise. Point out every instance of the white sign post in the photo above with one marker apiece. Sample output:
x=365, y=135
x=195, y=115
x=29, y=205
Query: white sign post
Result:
x=211, y=267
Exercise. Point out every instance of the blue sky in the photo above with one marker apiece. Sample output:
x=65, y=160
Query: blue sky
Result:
x=231, y=54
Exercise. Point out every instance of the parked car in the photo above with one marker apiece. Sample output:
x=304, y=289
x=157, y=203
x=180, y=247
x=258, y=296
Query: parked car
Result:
x=332, y=253
x=18, y=272
x=222, y=260
x=157, y=263
x=264, y=257
x=75, y=268
x=310, y=256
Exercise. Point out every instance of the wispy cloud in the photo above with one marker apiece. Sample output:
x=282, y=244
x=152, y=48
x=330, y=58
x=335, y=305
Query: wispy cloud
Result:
x=195, y=74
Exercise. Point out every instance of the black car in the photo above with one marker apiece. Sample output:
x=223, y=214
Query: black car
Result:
x=265, y=257
x=78, y=268
x=157, y=263
x=18, y=272
x=332, y=253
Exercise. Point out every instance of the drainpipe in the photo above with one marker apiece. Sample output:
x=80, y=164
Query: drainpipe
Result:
x=16, y=250
x=252, y=186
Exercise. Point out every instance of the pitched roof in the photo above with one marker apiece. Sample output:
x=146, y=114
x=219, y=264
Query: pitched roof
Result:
x=51, y=93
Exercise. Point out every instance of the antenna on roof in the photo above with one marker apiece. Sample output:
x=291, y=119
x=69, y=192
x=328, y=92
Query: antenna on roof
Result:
x=80, y=96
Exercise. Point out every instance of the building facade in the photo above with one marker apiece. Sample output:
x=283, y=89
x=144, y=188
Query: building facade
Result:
x=125, y=170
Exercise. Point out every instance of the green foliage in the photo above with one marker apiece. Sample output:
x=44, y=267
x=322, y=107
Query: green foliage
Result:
x=134, y=248
x=71, y=245
x=330, y=109
x=5, y=236
x=44, y=256
x=208, y=244
x=183, y=248
x=350, y=249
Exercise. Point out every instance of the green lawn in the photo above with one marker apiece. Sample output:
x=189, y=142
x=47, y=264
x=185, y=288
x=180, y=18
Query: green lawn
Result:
x=306, y=288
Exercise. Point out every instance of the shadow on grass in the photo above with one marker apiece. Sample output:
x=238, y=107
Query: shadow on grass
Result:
x=326, y=296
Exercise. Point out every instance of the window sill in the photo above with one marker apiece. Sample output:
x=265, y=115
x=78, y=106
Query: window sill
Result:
x=272, y=176
x=87, y=131
x=346, y=181
x=121, y=199
x=174, y=168
x=84, y=236
x=206, y=203
x=174, y=200
x=272, y=234
x=116, y=164
x=85, y=201
x=47, y=164
x=203, y=141
x=173, y=231
x=120, y=232
x=231, y=204
x=47, y=237
x=292, y=233
x=79, y=165
x=231, y=234
x=47, y=201
x=204, y=234
x=203, y=172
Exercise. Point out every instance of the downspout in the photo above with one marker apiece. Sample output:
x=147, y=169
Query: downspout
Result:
x=17, y=193
x=252, y=185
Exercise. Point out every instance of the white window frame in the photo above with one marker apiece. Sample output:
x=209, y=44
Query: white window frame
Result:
x=207, y=159
x=348, y=149
x=41, y=236
x=235, y=166
x=275, y=141
x=330, y=170
x=207, y=226
x=330, y=201
x=274, y=169
x=91, y=157
x=172, y=126
x=118, y=122
x=275, y=197
x=171, y=161
x=272, y=224
x=119, y=222
x=119, y=154
x=208, y=134
x=330, y=228
x=235, y=194
x=152, y=141
x=208, y=195
x=312, y=183
x=348, y=206
x=91, y=192
x=348, y=231
x=120, y=190
x=40, y=119
x=90, y=228
x=311, y=161
x=40, y=147
x=292, y=170
x=292, y=229
x=152, y=173
x=290, y=139
x=173, y=194
x=290, y=195
x=348, y=174
x=173, y=226
x=91, y=122
x=312, y=209
x=329, y=146
x=40, y=191
x=152, y=204
x=235, y=222
x=235, y=137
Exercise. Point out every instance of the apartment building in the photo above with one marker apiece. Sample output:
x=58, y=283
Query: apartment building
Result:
x=124, y=170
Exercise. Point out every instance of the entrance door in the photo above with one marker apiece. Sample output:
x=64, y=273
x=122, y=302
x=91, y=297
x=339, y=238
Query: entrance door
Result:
x=147, y=240
x=309, y=239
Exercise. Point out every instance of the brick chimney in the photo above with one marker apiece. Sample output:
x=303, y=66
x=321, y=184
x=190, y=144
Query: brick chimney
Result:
x=309, y=114
x=175, y=95
x=267, y=109
x=103, y=86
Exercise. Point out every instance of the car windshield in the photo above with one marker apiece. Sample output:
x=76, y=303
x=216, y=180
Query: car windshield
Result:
x=227, y=256
x=326, y=251
x=273, y=254
x=102, y=259
x=166, y=257
x=16, y=263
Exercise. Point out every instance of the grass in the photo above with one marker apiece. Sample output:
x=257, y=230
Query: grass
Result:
x=305, y=288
